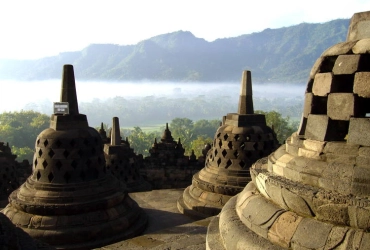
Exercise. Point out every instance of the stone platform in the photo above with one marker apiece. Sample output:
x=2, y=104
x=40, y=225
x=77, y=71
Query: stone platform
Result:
x=167, y=227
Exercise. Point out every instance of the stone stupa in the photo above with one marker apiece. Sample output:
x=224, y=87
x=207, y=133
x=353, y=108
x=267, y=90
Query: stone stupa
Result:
x=167, y=152
x=243, y=138
x=70, y=201
x=313, y=192
x=123, y=162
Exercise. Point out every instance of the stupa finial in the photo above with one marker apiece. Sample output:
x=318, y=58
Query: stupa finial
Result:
x=245, y=99
x=116, y=136
x=68, y=91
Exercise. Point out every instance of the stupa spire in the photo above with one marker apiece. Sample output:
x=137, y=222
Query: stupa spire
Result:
x=68, y=91
x=245, y=99
x=116, y=136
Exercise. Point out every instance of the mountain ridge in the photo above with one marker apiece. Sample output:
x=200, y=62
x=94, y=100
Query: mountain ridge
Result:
x=283, y=55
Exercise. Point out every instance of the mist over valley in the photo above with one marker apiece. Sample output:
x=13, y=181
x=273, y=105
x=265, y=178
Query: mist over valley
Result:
x=143, y=103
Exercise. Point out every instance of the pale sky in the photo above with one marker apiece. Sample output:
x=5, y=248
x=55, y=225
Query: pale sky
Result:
x=31, y=29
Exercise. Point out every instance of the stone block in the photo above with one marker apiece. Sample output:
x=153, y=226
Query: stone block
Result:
x=296, y=203
x=335, y=213
x=338, y=170
x=292, y=174
x=316, y=67
x=362, y=47
x=322, y=84
x=260, y=214
x=326, y=183
x=339, y=49
x=314, y=145
x=364, y=151
x=292, y=149
x=361, y=84
x=307, y=104
x=359, y=217
x=309, y=154
x=274, y=192
x=279, y=170
x=284, y=160
x=315, y=167
x=336, y=238
x=283, y=229
x=341, y=106
x=361, y=175
x=311, y=234
x=345, y=160
x=309, y=179
x=317, y=126
x=365, y=241
x=341, y=148
x=359, y=131
x=363, y=161
x=359, y=27
x=346, y=64
x=360, y=189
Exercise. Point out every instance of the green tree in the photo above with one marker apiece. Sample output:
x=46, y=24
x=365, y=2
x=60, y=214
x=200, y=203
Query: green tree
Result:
x=140, y=141
x=198, y=144
x=20, y=130
x=283, y=127
x=182, y=128
x=205, y=128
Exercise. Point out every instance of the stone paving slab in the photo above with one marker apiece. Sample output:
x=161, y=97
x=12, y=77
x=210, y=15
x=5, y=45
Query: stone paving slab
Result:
x=161, y=208
x=167, y=227
x=190, y=236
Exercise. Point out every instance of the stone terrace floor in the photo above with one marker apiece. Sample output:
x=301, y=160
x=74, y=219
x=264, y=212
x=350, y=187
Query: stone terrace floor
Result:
x=167, y=227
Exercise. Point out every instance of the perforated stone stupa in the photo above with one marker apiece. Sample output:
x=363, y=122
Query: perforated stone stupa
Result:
x=122, y=161
x=70, y=201
x=313, y=192
x=243, y=138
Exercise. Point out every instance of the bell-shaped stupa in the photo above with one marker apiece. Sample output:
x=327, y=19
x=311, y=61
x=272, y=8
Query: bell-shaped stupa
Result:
x=122, y=161
x=243, y=138
x=70, y=201
x=313, y=192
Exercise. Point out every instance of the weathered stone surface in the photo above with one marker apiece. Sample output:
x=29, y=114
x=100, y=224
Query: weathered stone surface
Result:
x=315, y=68
x=359, y=131
x=317, y=126
x=322, y=84
x=341, y=106
x=341, y=148
x=335, y=213
x=339, y=49
x=362, y=46
x=346, y=64
x=362, y=83
x=311, y=234
x=283, y=229
x=359, y=26
x=307, y=108
x=359, y=217
x=296, y=203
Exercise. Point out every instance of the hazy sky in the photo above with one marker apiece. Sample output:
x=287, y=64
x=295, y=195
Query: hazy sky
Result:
x=39, y=28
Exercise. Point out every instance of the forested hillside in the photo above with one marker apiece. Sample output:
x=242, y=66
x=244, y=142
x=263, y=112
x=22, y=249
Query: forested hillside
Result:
x=283, y=55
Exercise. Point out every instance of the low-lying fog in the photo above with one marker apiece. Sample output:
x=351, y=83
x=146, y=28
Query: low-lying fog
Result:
x=40, y=95
x=16, y=95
